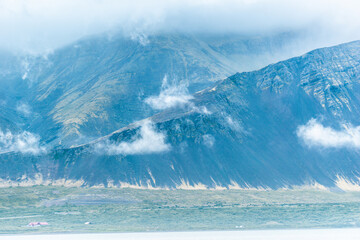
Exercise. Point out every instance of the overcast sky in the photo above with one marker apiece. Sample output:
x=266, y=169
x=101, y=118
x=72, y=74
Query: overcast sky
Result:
x=40, y=25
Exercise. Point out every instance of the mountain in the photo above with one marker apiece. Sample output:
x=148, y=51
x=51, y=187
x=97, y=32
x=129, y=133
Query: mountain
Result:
x=10, y=87
x=99, y=84
x=290, y=123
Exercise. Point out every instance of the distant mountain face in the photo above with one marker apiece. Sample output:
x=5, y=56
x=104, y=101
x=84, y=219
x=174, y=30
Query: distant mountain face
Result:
x=291, y=123
x=100, y=84
x=10, y=88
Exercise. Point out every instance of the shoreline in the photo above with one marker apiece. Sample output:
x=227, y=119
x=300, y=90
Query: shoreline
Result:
x=293, y=234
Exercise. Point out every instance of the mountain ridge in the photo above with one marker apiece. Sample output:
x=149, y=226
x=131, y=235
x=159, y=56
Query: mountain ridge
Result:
x=98, y=84
x=242, y=132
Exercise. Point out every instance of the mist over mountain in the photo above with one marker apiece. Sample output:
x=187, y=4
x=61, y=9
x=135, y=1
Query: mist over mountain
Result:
x=291, y=123
x=37, y=26
x=99, y=84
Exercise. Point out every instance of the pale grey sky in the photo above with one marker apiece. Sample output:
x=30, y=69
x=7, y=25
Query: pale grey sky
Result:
x=40, y=25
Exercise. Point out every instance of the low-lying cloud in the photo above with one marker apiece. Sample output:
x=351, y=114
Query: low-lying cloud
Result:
x=41, y=25
x=24, y=109
x=314, y=134
x=25, y=142
x=234, y=125
x=208, y=140
x=147, y=141
x=173, y=94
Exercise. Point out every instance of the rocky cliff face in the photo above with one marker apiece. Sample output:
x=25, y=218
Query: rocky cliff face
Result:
x=291, y=123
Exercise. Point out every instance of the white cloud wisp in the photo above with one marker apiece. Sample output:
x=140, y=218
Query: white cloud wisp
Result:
x=24, y=109
x=147, y=141
x=171, y=95
x=314, y=134
x=25, y=143
x=208, y=140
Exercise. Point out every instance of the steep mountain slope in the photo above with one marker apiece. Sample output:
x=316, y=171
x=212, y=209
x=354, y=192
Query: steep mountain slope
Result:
x=12, y=88
x=99, y=84
x=276, y=127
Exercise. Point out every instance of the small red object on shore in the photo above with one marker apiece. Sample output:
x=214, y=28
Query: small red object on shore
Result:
x=34, y=224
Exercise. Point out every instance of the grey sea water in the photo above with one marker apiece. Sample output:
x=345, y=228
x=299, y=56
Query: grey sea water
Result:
x=81, y=210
